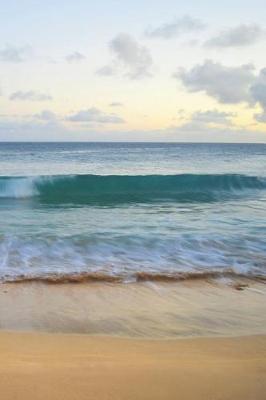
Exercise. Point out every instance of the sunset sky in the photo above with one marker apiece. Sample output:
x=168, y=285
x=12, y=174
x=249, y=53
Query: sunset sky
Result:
x=133, y=70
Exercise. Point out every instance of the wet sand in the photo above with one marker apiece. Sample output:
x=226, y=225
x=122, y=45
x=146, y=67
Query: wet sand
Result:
x=38, y=366
x=142, y=310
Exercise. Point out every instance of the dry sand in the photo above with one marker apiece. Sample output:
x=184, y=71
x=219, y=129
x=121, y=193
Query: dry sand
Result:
x=38, y=366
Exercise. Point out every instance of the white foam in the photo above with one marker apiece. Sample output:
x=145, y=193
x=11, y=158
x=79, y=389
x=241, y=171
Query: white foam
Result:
x=18, y=188
x=45, y=254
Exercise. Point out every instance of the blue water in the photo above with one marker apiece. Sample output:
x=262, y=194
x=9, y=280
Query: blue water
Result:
x=122, y=210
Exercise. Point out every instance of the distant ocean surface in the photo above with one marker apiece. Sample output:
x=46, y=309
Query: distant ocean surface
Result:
x=131, y=211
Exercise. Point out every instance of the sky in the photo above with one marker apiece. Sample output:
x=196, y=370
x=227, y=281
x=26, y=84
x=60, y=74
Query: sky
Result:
x=116, y=70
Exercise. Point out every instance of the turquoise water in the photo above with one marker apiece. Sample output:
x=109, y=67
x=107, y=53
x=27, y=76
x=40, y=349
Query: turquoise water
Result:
x=121, y=210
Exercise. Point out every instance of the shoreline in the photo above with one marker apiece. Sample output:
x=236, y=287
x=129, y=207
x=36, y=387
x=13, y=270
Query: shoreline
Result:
x=38, y=366
x=138, y=277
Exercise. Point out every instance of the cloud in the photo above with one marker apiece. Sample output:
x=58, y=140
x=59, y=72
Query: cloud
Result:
x=239, y=36
x=229, y=85
x=30, y=130
x=225, y=84
x=75, y=57
x=190, y=132
x=176, y=28
x=46, y=115
x=116, y=104
x=212, y=117
x=30, y=95
x=212, y=126
x=258, y=89
x=205, y=121
x=261, y=117
x=13, y=54
x=106, y=71
x=93, y=114
x=130, y=57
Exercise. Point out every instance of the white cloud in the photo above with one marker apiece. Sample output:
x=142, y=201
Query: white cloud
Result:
x=228, y=84
x=116, y=104
x=131, y=59
x=201, y=122
x=258, y=89
x=30, y=130
x=93, y=114
x=107, y=70
x=194, y=133
x=46, y=115
x=13, y=54
x=176, y=28
x=212, y=126
x=239, y=36
x=75, y=57
x=212, y=117
x=261, y=117
x=190, y=131
x=30, y=95
x=225, y=84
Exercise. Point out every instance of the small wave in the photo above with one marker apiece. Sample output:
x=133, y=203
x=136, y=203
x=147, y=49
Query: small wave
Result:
x=100, y=189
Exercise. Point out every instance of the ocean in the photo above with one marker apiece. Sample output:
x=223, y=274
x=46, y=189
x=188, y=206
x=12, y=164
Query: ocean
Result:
x=131, y=211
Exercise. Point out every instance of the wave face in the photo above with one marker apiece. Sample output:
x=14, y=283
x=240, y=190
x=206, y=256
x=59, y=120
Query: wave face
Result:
x=99, y=189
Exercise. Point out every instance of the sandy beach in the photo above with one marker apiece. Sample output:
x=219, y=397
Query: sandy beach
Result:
x=106, y=341
x=55, y=366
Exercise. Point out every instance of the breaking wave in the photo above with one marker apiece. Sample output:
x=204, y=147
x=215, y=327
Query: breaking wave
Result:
x=101, y=189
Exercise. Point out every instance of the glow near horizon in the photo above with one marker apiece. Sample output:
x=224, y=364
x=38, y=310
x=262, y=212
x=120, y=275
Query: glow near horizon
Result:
x=50, y=32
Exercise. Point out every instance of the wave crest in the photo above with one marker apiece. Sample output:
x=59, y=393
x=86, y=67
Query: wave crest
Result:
x=100, y=189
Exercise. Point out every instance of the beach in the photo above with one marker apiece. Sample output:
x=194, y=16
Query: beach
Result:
x=187, y=340
x=56, y=366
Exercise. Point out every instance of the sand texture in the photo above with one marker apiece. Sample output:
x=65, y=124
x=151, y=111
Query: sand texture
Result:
x=38, y=366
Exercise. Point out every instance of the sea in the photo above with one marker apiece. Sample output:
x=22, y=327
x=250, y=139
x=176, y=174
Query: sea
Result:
x=130, y=212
